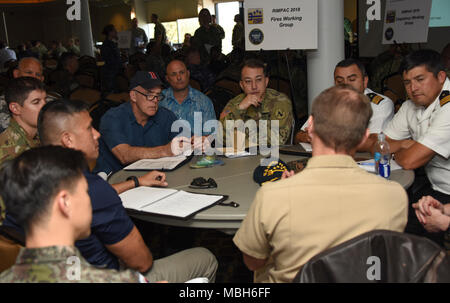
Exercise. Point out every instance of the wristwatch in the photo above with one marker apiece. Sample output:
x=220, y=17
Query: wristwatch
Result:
x=135, y=179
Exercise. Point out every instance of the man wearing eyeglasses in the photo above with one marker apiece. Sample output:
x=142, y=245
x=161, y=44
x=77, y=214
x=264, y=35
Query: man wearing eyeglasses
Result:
x=259, y=103
x=138, y=129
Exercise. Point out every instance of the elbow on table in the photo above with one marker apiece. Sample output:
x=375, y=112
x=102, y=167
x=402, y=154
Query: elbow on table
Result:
x=122, y=157
x=407, y=164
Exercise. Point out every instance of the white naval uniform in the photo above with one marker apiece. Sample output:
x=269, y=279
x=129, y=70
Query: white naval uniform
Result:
x=383, y=111
x=382, y=108
x=430, y=127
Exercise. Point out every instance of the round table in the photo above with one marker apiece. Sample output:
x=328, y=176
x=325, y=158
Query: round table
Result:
x=234, y=179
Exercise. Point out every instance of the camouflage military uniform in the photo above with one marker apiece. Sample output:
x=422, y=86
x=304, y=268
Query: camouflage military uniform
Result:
x=203, y=36
x=274, y=106
x=14, y=141
x=238, y=38
x=5, y=115
x=52, y=264
x=160, y=30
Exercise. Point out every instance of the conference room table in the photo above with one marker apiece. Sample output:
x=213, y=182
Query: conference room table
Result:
x=235, y=179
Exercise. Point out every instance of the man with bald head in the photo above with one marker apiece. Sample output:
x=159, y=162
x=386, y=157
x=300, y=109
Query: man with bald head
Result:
x=185, y=101
x=281, y=231
x=28, y=67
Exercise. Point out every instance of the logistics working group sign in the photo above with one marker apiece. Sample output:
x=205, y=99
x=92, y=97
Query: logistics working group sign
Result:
x=282, y=24
x=406, y=21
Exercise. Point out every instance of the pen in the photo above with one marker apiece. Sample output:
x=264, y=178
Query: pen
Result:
x=366, y=163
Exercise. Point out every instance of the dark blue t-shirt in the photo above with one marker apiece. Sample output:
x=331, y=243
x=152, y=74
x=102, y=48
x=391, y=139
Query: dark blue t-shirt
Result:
x=110, y=224
x=119, y=126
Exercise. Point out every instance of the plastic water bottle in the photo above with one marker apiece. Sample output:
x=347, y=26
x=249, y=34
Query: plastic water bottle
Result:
x=382, y=157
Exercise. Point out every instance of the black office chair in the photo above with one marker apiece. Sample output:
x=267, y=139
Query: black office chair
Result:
x=379, y=256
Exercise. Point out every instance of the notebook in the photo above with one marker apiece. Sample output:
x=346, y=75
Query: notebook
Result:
x=168, y=202
x=303, y=149
x=165, y=163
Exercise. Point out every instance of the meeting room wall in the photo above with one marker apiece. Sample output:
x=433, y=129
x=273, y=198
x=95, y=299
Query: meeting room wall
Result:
x=41, y=22
x=119, y=15
x=171, y=10
x=47, y=22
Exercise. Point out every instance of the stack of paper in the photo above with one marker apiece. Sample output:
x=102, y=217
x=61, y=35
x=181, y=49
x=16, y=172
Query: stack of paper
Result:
x=369, y=165
x=161, y=163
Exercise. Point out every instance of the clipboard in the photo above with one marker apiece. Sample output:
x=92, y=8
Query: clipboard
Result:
x=137, y=212
x=168, y=202
x=187, y=160
x=296, y=150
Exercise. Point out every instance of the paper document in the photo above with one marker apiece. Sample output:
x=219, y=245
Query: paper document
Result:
x=238, y=154
x=166, y=201
x=369, y=165
x=306, y=146
x=161, y=163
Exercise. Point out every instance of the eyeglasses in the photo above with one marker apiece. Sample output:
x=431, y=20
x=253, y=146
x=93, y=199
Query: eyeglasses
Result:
x=150, y=97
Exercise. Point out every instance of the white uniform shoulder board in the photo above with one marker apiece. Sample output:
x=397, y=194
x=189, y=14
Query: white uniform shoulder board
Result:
x=444, y=97
x=375, y=98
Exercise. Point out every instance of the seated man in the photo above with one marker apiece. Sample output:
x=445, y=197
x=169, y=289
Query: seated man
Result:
x=419, y=134
x=331, y=201
x=353, y=73
x=114, y=239
x=259, y=103
x=25, y=97
x=27, y=67
x=185, y=101
x=138, y=129
x=55, y=210
x=62, y=80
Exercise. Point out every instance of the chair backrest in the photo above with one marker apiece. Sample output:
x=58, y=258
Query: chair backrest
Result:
x=281, y=85
x=86, y=80
x=379, y=256
x=195, y=84
x=98, y=109
x=229, y=84
x=119, y=97
x=10, y=244
x=394, y=88
x=87, y=61
x=219, y=97
x=122, y=83
x=51, y=64
x=86, y=94
x=54, y=76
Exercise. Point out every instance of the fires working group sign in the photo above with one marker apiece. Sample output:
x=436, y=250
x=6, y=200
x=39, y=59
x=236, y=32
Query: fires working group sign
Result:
x=282, y=24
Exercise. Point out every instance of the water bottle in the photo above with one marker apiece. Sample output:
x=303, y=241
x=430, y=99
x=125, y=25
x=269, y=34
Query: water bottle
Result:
x=382, y=157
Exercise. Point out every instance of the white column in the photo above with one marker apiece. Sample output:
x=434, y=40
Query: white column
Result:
x=331, y=48
x=85, y=30
x=140, y=10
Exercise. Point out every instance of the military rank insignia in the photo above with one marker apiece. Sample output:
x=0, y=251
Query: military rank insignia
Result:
x=444, y=97
x=375, y=98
